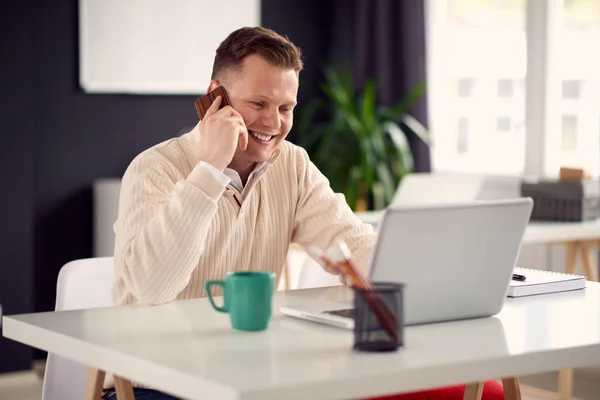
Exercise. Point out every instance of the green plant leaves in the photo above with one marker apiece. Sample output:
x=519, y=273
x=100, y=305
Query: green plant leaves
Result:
x=401, y=143
x=369, y=102
x=416, y=128
x=362, y=148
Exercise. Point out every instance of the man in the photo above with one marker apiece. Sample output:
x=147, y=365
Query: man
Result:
x=232, y=194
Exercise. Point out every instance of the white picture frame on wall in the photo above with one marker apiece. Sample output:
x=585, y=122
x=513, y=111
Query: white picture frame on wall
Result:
x=155, y=46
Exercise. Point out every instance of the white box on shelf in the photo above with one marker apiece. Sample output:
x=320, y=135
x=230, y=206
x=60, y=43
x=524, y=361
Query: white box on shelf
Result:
x=106, y=207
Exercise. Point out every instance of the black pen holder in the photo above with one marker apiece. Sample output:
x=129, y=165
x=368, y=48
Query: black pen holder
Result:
x=369, y=333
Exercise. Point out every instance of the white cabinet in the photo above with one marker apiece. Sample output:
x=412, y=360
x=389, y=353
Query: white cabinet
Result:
x=105, y=194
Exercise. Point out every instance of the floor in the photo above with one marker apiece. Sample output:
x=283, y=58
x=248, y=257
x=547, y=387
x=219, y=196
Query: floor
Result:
x=28, y=385
x=20, y=386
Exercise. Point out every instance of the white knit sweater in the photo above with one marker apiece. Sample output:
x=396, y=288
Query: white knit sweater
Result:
x=179, y=226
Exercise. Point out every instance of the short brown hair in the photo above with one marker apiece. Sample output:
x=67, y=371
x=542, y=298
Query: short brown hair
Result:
x=276, y=49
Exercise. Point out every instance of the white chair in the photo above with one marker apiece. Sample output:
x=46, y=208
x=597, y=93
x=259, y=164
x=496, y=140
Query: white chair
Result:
x=312, y=275
x=81, y=284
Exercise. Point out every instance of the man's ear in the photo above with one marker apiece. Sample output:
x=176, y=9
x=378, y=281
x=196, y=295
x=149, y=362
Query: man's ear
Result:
x=213, y=85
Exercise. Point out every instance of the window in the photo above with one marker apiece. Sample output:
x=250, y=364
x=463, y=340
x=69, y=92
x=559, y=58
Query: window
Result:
x=508, y=59
x=569, y=134
x=505, y=88
x=465, y=87
x=462, y=144
x=579, y=72
x=478, y=47
x=570, y=89
x=503, y=124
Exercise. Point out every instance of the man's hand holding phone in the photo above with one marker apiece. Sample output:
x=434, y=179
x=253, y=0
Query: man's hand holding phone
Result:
x=221, y=130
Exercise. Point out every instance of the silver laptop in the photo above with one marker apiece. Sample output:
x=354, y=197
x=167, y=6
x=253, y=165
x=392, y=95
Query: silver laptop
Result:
x=456, y=261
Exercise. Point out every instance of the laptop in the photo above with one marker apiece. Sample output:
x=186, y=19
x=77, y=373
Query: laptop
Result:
x=455, y=259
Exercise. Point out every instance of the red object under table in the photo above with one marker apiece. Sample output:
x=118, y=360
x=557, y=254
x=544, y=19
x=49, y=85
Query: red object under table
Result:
x=492, y=390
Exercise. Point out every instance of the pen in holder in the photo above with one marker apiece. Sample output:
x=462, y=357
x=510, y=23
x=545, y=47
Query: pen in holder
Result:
x=367, y=296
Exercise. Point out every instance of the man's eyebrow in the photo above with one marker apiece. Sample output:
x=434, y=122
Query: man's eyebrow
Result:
x=265, y=97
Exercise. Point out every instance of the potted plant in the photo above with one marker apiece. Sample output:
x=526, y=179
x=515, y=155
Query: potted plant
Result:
x=362, y=148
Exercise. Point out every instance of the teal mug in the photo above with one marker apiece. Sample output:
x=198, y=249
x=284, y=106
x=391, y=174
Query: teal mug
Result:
x=248, y=298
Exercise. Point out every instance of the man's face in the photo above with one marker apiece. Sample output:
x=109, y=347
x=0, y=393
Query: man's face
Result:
x=265, y=96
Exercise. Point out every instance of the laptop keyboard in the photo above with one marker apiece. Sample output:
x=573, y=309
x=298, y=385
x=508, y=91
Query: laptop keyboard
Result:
x=348, y=313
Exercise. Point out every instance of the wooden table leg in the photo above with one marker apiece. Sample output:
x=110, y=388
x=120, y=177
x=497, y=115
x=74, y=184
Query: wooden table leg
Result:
x=571, y=260
x=286, y=274
x=124, y=389
x=512, y=390
x=473, y=391
x=591, y=271
x=93, y=385
x=565, y=384
x=565, y=376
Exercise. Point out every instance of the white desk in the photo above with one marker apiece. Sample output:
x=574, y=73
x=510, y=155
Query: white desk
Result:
x=536, y=232
x=187, y=349
x=544, y=232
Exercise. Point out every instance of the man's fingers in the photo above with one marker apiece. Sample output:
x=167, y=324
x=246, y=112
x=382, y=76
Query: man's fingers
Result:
x=226, y=112
x=333, y=271
x=237, y=121
x=242, y=129
x=214, y=107
x=243, y=139
x=234, y=113
x=229, y=113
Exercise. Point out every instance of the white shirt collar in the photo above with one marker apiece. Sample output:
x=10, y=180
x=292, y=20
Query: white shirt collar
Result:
x=236, y=181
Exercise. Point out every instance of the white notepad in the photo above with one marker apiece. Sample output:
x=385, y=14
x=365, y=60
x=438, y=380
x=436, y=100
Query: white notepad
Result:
x=544, y=282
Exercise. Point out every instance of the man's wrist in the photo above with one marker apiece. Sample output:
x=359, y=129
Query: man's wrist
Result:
x=216, y=165
x=218, y=174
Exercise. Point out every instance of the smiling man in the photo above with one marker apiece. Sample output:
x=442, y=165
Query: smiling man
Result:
x=232, y=194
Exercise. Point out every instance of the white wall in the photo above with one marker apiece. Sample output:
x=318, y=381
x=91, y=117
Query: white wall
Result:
x=155, y=46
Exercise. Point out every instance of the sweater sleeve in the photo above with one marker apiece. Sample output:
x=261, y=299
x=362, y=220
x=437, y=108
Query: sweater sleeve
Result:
x=323, y=216
x=161, y=229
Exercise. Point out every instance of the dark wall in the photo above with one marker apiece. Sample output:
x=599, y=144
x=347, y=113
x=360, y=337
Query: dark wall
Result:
x=80, y=137
x=16, y=175
x=56, y=139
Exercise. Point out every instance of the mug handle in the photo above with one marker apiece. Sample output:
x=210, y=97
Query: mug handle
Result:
x=207, y=286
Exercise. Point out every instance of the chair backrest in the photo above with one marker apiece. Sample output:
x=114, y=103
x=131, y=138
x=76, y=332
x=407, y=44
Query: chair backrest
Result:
x=312, y=275
x=81, y=284
x=442, y=187
x=419, y=188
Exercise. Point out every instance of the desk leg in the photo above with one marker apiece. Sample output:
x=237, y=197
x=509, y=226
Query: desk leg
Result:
x=565, y=384
x=565, y=376
x=124, y=389
x=473, y=391
x=512, y=390
x=591, y=271
x=93, y=386
x=286, y=274
x=571, y=260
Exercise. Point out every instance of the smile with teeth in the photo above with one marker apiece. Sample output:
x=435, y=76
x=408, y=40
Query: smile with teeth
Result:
x=261, y=137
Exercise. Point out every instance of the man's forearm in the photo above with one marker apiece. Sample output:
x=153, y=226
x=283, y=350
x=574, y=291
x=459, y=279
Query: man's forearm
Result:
x=158, y=246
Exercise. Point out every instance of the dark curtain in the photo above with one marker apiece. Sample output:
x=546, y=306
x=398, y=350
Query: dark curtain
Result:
x=390, y=48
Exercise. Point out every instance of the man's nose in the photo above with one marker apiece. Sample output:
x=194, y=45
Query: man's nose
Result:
x=272, y=119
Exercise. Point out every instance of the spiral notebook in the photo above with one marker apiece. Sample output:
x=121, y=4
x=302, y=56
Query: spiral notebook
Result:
x=544, y=282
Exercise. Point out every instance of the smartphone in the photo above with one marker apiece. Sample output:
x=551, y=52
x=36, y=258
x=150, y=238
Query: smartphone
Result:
x=203, y=103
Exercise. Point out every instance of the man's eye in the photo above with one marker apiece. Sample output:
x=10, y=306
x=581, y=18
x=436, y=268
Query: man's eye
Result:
x=257, y=104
